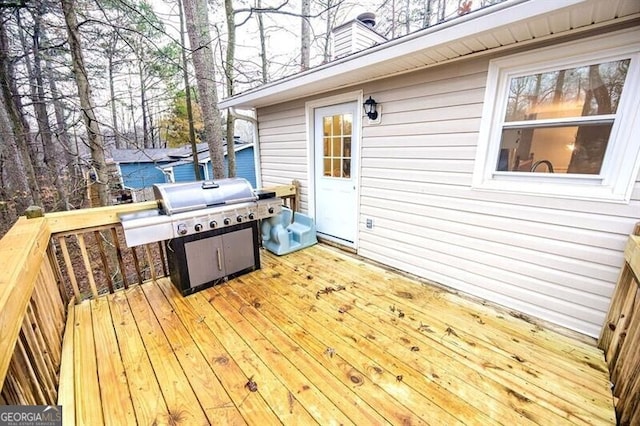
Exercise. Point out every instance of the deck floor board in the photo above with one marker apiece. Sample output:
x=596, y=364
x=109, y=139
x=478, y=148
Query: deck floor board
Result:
x=452, y=329
x=144, y=391
x=329, y=339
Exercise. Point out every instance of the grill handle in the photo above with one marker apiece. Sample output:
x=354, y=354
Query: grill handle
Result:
x=219, y=259
x=209, y=184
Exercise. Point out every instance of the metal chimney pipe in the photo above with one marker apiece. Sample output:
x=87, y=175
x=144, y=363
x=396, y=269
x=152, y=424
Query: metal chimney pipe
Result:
x=367, y=18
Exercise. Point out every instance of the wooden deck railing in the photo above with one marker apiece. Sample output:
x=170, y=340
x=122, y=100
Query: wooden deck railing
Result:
x=620, y=338
x=48, y=262
x=93, y=254
x=32, y=316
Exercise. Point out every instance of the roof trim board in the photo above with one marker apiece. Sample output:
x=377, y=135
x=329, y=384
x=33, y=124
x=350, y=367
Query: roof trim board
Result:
x=475, y=33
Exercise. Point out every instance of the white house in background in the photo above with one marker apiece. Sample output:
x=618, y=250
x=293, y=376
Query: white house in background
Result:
x=452, y=180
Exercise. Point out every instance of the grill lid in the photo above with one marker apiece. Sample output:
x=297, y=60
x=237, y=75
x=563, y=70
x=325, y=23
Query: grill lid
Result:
x=182, y=197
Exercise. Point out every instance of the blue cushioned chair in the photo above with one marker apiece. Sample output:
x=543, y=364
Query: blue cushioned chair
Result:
x=281, y=236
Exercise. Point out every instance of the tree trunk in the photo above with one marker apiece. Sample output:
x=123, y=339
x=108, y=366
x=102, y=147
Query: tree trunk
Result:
x=143, y=107
x=136, y=140
x=187, y=93
x=19, y=125
x=96, y=143
x=591, y=141
x=13, y=180
x=327, y=35
x=112, y=91
x=71, y=153
x=557, y=92
x=305, y=36
x=393, y=19
x=229, y=71
x=407, y=17
x=51, y=155
x=200, y=40
x=35, y=149
x=428, y=11
x=263, y=45
x=42, y=117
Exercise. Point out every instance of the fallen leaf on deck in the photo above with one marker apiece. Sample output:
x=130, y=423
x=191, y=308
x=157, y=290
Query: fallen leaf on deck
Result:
x=251, y=385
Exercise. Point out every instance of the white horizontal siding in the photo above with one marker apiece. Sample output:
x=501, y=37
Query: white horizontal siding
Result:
x=519, y=247
x=283, y=147
x=551, y=258
x=492, y=288
x=554, y=239
x=408, y=172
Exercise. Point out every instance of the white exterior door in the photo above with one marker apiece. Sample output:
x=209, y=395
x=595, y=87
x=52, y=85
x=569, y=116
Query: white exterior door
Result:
x=336, y=156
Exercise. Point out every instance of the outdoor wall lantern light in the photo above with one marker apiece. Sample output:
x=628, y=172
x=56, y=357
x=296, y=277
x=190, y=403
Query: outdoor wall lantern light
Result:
x=370, y=108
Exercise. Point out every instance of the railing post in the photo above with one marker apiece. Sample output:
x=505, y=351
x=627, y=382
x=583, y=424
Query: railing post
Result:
x=34, y=211
x=621, y=335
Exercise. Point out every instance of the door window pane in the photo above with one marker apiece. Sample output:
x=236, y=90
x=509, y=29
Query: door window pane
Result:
x=337, y=145
x=346, y=167
x=326, y=126
x=337, y=124
x=347, y=119
x=327, y=167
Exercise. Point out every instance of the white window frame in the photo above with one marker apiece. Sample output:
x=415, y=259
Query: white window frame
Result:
x=622, y=157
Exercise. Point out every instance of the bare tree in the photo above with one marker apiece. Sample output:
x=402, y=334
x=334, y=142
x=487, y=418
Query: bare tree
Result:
x=95, y=140
x=305, y=35
x=229, y=74
x=51, y=171
x=111, y=52
x=12, y=179
x=19, y=125
x=263, y=46
x=187, y=91
x=71, y=155
x=591, y=141
x=200, y=40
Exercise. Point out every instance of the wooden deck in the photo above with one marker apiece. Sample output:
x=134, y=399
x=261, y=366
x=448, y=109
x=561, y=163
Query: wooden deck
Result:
x=326, y=338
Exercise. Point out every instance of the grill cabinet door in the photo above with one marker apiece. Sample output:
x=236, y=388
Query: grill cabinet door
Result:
x=238, y=250
x=205, y=260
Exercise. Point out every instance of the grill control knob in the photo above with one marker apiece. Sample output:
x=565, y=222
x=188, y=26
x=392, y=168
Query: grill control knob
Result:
x=271, y=210
x=198, y=227
x=227, y=221
x=182, y=229
x=213, y=224
x=252, y=216
x=239, y=218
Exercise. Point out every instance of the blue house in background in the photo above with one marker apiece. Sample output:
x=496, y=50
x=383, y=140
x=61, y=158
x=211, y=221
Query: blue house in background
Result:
x=183, y=171
x=139, y=169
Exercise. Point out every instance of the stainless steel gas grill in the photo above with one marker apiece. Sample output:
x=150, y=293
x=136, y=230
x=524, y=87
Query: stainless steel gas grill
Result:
x=210, y=229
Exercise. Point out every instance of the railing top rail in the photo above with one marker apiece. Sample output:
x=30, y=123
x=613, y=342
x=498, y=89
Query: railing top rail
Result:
x=92, y=217
x=73, y=220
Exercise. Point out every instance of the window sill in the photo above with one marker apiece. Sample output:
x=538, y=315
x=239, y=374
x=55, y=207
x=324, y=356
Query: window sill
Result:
x=585, y=191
